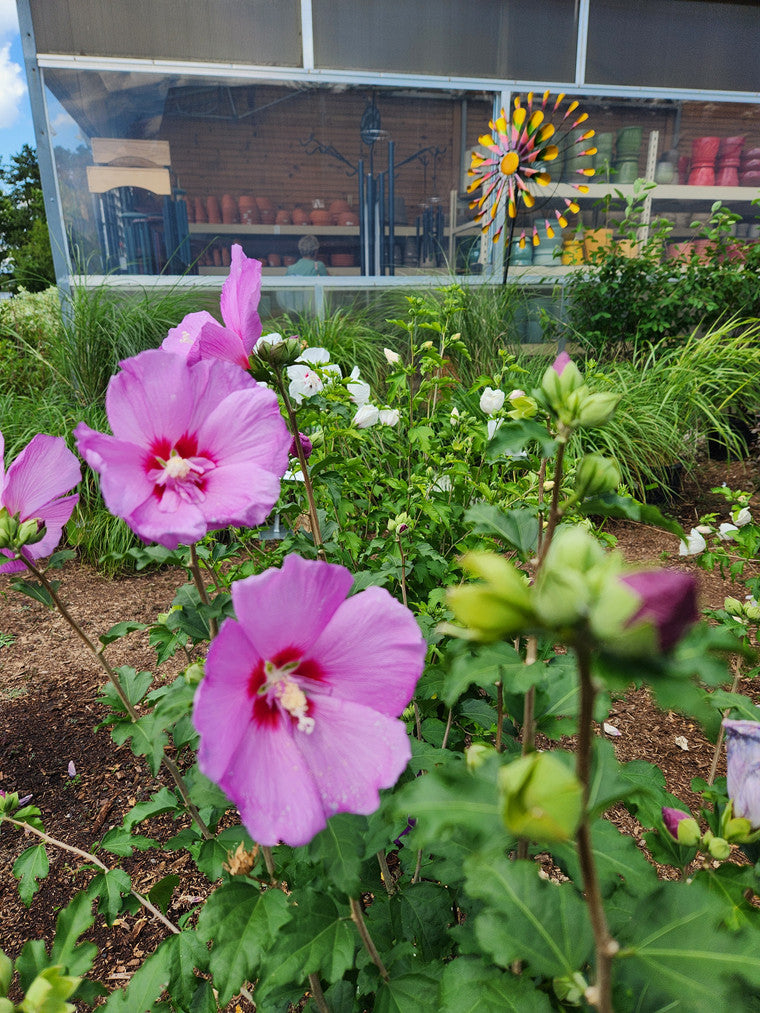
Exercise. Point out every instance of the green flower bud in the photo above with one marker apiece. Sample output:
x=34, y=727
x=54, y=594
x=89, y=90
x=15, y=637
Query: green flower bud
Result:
x=752, y=611
x=194, y=673
x=522, y=407
x=541, y=798
x=560, y=380
x=499, y=606
x=30, y=531
x=570, y=988
x=7, y=529
x=592, y=410
x=718, y=847
x=733, y=606
x=564, y=589
x=682, y=827
x=596, y=475
x=477, y=754
x=49, y=990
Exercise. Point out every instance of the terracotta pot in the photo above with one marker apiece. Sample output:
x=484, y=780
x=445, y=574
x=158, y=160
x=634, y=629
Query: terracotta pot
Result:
x=702, y=248
x=679, y=251
x=249, y=210
x=213, y=209
x=266, y=216
x=730, y=150
x=283, y=218
x=190, y=207
x=274, y=260
x=702, y=175
x=339, y=205
x=704, y=151
x=299, y=216
x=217, y=257
x=229, y=209
x=264, y=204
x=596, y=240
x=200, y=210
x=288, y=260
x=727, y=176
x=226, y=257
x=319, y=216
x=750, y=178
x=342, y=260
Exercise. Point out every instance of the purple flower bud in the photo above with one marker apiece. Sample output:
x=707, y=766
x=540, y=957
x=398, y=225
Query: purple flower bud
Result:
x=668, y=601
x=559, y=364
x=683, y=833
x=306, y=444
x=743, y=761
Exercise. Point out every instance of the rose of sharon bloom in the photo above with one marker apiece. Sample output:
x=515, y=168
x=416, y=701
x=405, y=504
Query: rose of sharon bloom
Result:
x=305, y=381
x=34, y=487
x=491, y=400
x=195, y=447
x=742, y=517
x=743, y=768
x=199, y=336
x=667, y=599
x=359, y=390
x=297, y=709
x=367, y=416
x=694, y=544
x=389, y=416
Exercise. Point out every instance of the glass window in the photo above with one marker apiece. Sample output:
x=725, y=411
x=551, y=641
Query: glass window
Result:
x=674, y=44
x=163, y=174
x=483, y=38
x=265, y=32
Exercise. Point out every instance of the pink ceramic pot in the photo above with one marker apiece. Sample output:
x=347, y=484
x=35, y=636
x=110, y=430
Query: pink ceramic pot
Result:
x=703, y=175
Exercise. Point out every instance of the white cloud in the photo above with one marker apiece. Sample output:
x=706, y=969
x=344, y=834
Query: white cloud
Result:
x=8, y=18
x=12, y=86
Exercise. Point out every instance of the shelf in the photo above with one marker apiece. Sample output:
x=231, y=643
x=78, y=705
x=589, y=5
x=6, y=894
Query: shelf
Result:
x=221, y=229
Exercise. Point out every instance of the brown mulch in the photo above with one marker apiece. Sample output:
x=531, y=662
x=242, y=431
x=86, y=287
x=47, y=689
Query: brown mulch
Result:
x=48, y=687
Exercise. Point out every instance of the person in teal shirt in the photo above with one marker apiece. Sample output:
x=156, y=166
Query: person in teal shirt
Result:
x=308, y=265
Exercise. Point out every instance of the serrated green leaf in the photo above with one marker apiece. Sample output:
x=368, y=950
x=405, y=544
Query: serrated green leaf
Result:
x=340, y=847
x=161, y=892
x=160, y=802
x=340, y=998
x=121, y=842
x=31, y=866
x=490, y=664
x=242, y=923
x=120, y=630
x=518, y=528
x=426, y=913
x=619, y=862
x=527, y=918
x=145, y=986
x=32, y=959
x=185, y=954
x=77, y=958
x=146, y=737
x=203, y=1000
x=321, y=939
x=612, y=505
x=673, y=949
x=33, y=589
x=470, y=986
x=512, y=437
x=135, y=684
x=211, y=858
x=109, y=887
x=407, y=993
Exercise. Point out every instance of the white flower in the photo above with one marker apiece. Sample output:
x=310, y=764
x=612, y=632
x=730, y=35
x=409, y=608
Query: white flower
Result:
x=391, y=357
x=454, y=417
x=703, y=529
x=493, y=426
x=272, y=340
x=726, y=531
x=693, y=545
x=293, y=475
x=516, y=393
x=742, y=517
x=368, y=415
x=359, y=390
x=304, y=382
x=389, y=416
x=491, y=400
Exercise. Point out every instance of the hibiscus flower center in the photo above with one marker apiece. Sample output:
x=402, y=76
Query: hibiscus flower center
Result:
x=279, y=690
x=283, y=688
x=178, y=472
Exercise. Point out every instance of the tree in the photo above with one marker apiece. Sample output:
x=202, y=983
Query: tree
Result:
x=25, y=255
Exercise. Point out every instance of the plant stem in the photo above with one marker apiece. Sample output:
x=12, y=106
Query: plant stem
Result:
x=316, y=532
x=498, y=744
x=170, y=765
x=318, y=995
x=403, y=569
x=554, y=511
x=357, y=917
x=47, y=839
x=198, y=579
x=606, y=947
x=385, y=873
x=448, y=729
x=268, y=861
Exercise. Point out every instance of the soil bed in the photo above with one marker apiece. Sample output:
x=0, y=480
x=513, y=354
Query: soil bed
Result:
x=48, y=709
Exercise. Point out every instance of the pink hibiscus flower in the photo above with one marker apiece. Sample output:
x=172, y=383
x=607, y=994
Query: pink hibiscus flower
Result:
x=297, y=709
x=199, y=336
x=34, y=487
x=194, y=448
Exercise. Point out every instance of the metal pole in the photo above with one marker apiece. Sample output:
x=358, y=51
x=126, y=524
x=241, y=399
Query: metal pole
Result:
x=362, y=219
x=391, y=209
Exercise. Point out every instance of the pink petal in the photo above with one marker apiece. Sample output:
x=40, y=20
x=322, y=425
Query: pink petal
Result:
x=122, y=468
x=222, y=700
x=240, y=298
x=183, y=526
x=44, y=470
x=150, y=399
x=353, y=751
x=372, y=651
x=247, y=427
x=183, y=337
x=217, y=342
x=55, y=515
x=289, y=607
x=241, y=495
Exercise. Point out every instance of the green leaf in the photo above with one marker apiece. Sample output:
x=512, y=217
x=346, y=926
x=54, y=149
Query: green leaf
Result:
x=31, y=866
x=6, y=972
x=242, y=923
x=49, y=991
x=76, y=918
x=160, y=802
x=145, y=986
x=518, y=528
x=673, y=949
x=33, y=589
x=203, y=1000
x=426, y=913
x=407, y=993
x=490, y=664
x=321, y=939
x=146, y=737
x=527, y=918
x=612, y=505
x=471, y=986
x=134, y=686
x=619, y=862
x=185, y=953
x=120, y=630
x=109, y=887
x=161, y=892
x=512, y=437
x=743, y=707
x=32, y=959
x=121, y=842
x=340, y=847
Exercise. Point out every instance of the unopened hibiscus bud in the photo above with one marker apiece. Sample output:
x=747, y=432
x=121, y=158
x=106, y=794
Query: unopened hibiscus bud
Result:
x=733, y=606
x=743, y=769
x=391, y=357
x=8, y=529
x=306, y=446
x=563, y=592
x=278, y=354
x=590, y=410
x=491, y=400
x=735, y=829
x=194, y=674
x=498, y=606
x=477, y=754
x=400, y=524
x=541, y=798
x=560, y=380
x=682, y=827
x=454, y=416
x=717, y=847
x=596, y=475
x=752, y=610
x=521, y=406
x=30, y=532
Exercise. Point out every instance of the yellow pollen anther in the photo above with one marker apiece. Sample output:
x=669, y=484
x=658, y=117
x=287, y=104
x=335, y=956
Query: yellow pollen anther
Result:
x=177, y=467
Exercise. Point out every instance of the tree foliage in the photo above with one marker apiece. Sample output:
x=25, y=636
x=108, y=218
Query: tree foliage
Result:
x=26, y=259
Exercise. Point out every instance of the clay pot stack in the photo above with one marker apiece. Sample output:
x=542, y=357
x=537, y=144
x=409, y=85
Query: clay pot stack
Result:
x=729, y=160
x=704, y=151
x=749, y=174
x=248, y=209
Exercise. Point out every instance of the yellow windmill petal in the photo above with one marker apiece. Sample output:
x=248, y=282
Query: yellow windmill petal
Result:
x=571, y=108
x=572, y=206
x=536, y=120
x=487, y=141
x=518, y=101
x=521, y=241
x=542, y=178
x=589, y=151
x=562, y=221
x=500, y=126
x=588, y=172
x=546, y=97
x=549, y=153
x=512, y=208
x=587, y=136
x=518, y=117
x=528, y=199
x=536, y=240
x=558, y=103
x=549, y=230
x=546, y=131
x=580, y=187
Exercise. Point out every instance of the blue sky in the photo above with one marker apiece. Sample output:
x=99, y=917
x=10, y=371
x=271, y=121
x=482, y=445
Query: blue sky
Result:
x=15, y=113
